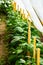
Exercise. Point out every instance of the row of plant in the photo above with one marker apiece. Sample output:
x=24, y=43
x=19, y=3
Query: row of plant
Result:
x=18, y=45
x=17, y=37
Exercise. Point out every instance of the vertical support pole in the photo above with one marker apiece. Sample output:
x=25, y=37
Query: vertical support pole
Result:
x=38, y=56
x=28, y=13
x=18, y=7
x=34, y=49
x=29, y=32
x=29, y=36
x=14, y=6
x=26, y=16
x=23, y=15
x=21, y=11
x=29, y=16
x=41, y=22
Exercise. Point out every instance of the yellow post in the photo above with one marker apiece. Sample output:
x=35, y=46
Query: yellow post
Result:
x=29, y=32
x=34, y=49
x=18, y=7
x=41, y=22
x=29, y=36
x=21, y=11
x=26, y=17
x=23, y=15
x=38, y=56
x=28, y=14
x=29, y=17
x=14, y=6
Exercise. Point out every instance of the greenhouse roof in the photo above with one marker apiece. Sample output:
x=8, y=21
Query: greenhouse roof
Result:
x=36, y=11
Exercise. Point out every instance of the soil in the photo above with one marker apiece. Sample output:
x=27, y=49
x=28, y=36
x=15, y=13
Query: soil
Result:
x=2, y=44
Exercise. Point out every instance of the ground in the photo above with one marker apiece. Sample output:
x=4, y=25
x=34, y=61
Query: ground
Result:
x=3, y=49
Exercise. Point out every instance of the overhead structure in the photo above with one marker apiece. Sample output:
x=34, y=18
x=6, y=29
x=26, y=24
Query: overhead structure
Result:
x=34, y=17
x=27, y=6
x=38, y=7
x=21, y=5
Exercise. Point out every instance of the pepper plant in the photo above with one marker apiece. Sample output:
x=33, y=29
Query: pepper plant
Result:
x=16, y=36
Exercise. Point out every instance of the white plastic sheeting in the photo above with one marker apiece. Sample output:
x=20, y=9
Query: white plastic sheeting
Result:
x=26, y=5
x=34, y=17
x=37, y=5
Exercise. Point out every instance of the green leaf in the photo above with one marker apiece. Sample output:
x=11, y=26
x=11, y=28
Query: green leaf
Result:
x=19, y=29
x=22, y=61
x=18, y=51
x=17, y=38
x=41, y=61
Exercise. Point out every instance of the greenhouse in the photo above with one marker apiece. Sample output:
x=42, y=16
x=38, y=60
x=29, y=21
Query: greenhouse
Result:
x=21, y=32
